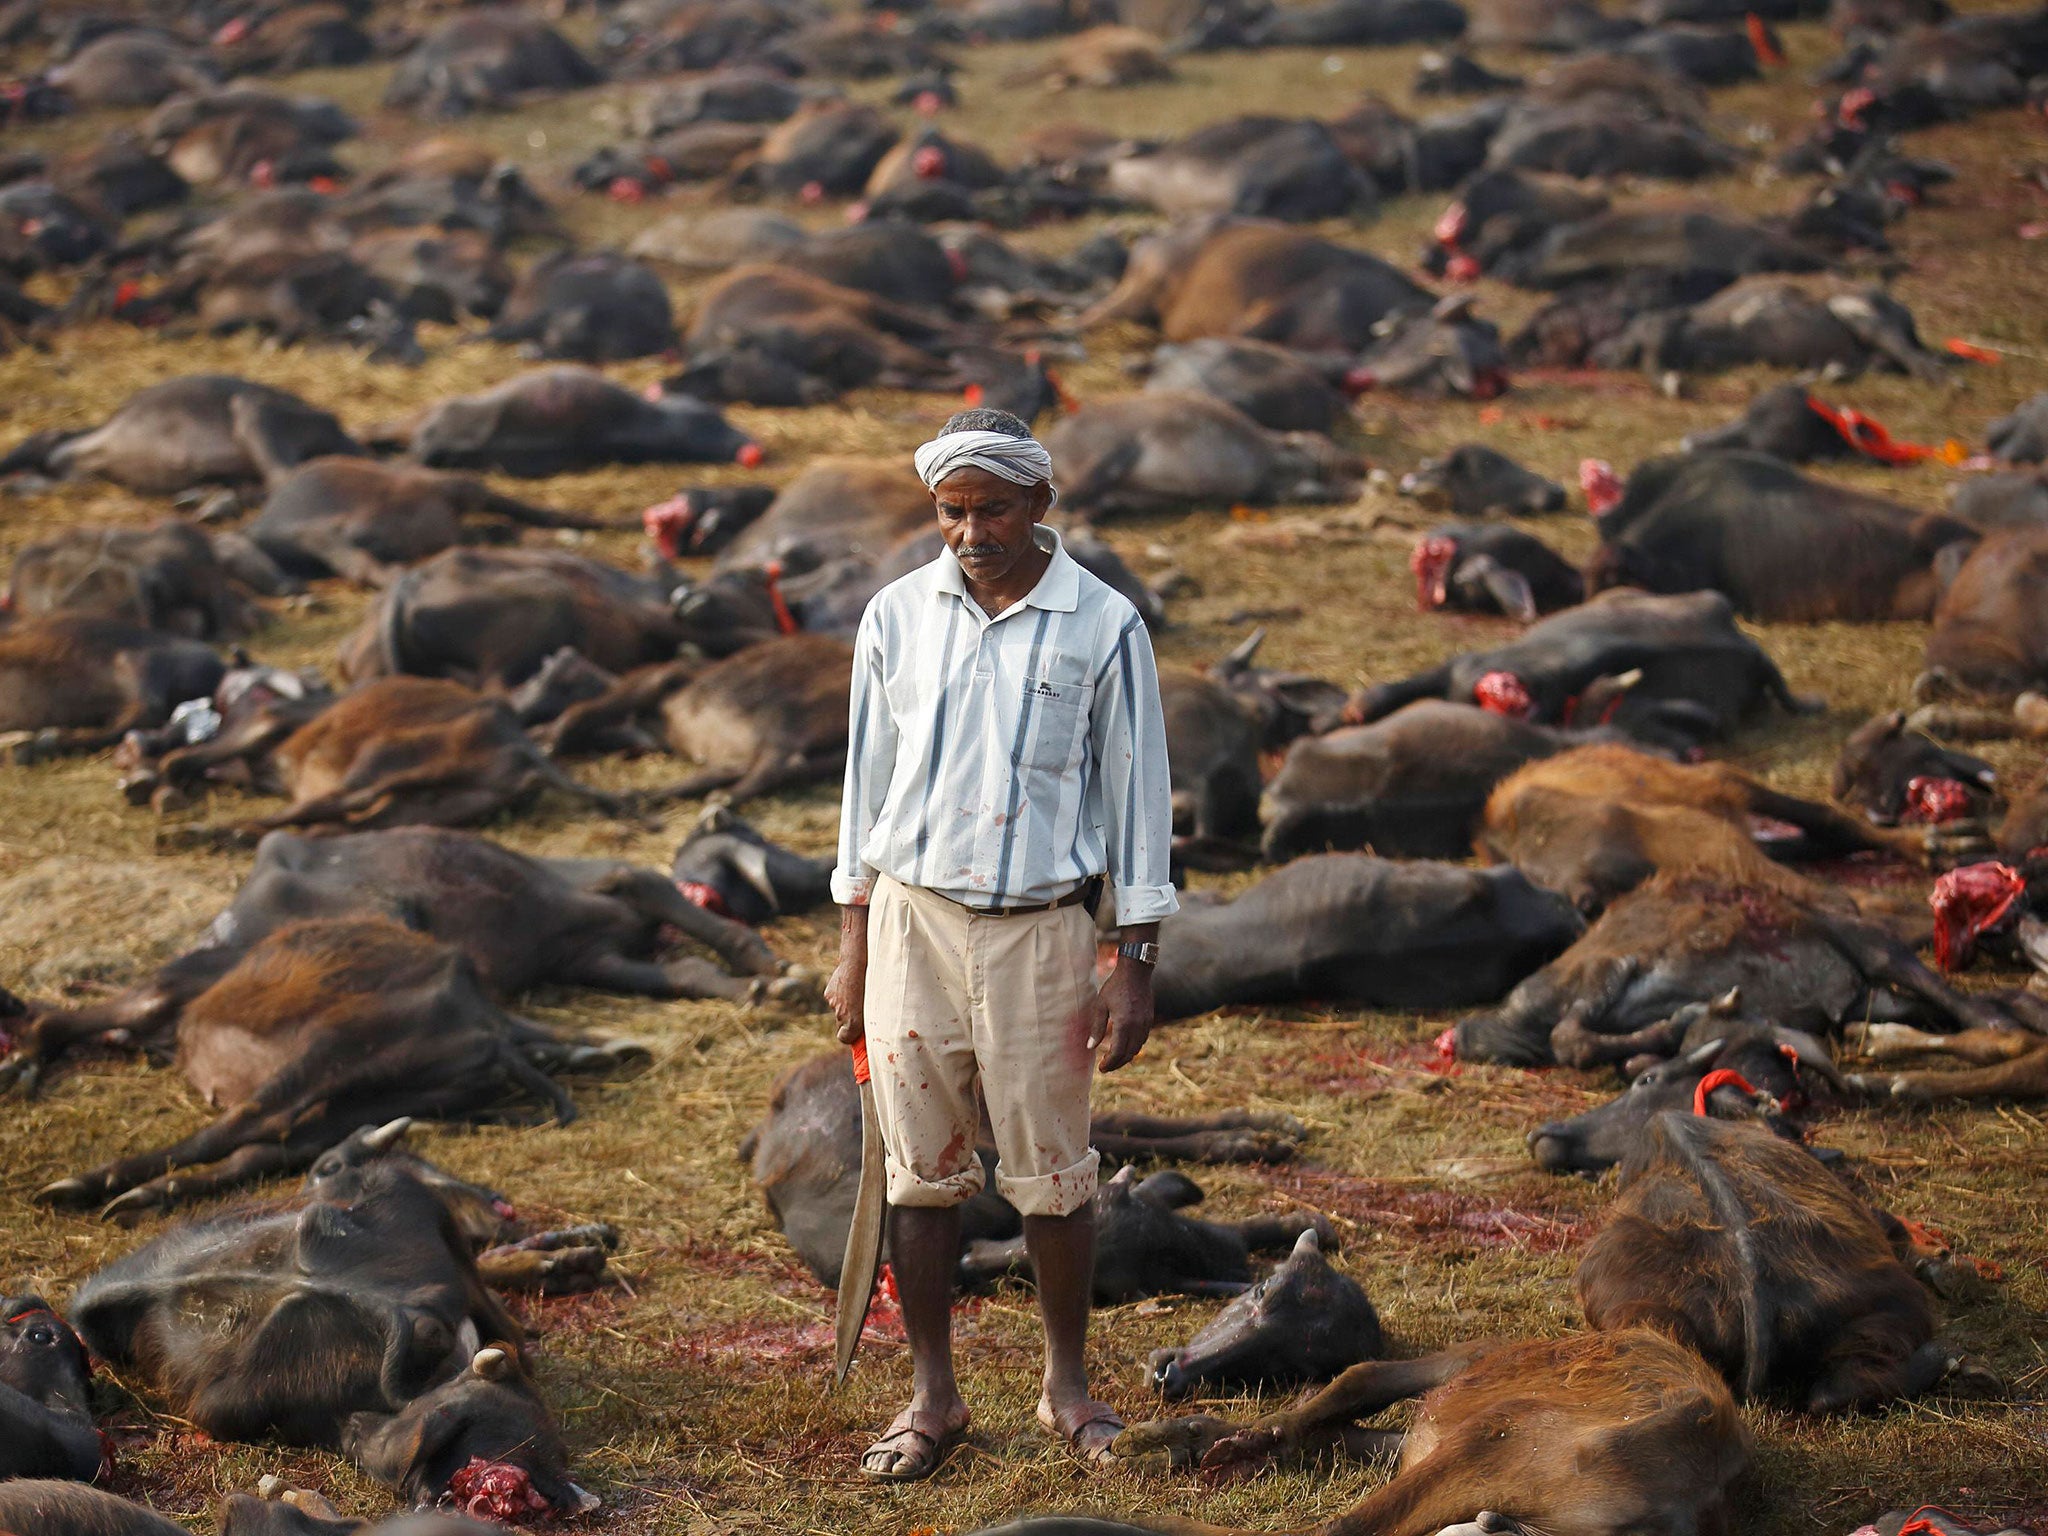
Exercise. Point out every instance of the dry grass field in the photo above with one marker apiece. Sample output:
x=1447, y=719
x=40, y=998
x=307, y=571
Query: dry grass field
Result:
x=695, y=1394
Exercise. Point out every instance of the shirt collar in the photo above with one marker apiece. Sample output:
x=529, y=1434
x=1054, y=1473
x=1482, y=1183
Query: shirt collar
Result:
x=1058, y=589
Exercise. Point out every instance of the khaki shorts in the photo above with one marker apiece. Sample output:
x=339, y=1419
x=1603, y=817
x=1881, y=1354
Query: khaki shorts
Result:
x=962, y=1010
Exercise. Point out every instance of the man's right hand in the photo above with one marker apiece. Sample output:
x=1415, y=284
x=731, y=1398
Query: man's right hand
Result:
x=846, y=991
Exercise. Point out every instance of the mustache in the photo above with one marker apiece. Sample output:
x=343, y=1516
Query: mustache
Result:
x=981, y=551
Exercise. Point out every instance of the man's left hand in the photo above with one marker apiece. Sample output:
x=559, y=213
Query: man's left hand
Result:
x=1118, y=1018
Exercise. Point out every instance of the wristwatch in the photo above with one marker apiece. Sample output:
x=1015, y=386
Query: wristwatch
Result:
x=1144, y=954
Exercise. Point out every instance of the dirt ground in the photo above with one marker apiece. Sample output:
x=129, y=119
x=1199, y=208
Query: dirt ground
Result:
x=695, y=1395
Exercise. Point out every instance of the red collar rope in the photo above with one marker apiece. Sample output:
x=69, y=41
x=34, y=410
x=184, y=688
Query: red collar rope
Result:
x=784, y=619
x=1722, y=1077
x=1767, y=53
x=1870, y=438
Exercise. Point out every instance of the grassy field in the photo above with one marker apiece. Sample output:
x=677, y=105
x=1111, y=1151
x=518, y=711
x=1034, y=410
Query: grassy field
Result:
x=694, y=1395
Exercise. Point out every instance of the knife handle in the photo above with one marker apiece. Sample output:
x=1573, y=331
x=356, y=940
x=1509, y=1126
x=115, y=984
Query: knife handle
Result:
x=860, y=1059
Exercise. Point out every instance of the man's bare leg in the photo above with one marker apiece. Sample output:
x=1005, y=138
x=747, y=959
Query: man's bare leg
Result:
x=1063, y=1260
x=924, y=1252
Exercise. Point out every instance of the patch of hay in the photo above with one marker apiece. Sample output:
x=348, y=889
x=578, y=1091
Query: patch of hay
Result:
x=75, y=921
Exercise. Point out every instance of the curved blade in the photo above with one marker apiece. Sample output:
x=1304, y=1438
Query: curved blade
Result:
x=863, y=1260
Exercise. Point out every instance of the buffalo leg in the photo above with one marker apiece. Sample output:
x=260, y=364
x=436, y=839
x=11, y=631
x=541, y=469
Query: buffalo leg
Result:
x=1979, y=1047
x=1574, y=1045
x=1360, y=1391
x=245, y=1165
x=734, y=943
x=1882, y=959
x=579, y=727
x=687, y=977
x=1863, y=1367
x=2023, y=1077
x=1827, y=832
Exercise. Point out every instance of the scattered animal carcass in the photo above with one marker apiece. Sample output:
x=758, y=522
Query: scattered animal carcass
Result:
x=1348, y=929
x=1741, y=1246
x=169, y=576
x=1492, y=568
x=77, y=683
x=199, y=430
x=46, y=1424
x=1475, y=482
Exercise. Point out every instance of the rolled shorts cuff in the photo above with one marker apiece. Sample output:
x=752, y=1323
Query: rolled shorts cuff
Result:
x=1052, y=1194
x=907, y=1189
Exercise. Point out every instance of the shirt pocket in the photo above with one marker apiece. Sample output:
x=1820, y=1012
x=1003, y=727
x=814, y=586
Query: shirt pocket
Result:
x=1055, y=722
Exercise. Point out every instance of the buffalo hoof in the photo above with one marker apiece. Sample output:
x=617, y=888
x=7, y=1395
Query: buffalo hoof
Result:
x=144, y=1200
x=1173, y=1444
x=1970, y=1378
x=39, y=748
x=799, y=989
x=67, y=1195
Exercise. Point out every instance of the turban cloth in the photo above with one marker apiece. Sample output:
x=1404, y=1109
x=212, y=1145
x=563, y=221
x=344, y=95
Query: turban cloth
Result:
x=1020, y=460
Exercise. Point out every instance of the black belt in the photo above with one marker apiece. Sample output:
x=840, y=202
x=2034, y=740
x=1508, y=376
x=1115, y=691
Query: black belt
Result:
x=1088, y=893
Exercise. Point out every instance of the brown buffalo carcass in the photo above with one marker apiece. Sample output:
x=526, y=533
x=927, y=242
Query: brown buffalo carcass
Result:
x=1602, y=1434
x=1782, y=547
x=321, y=1028
x=367, y=521
x=1670, y=670
x=594, y=308
x=490, y=618
x=393, y=752
x=169, y=576
x=519, y=922
x=1348, y=930
x=1743, y=1247
x=1991, y=625
x=566, y=418
x=1594, y=822
x=1259, y=167
x=356, y=1322
x=804, y=1156
x=485, y=60
x=200, y=430
x=835, y=507
x=1165, y=451
x=46, y=1427
x=770, y=716
x=1798, y=954
x=76, y=683
x=1412, y=785
x=1894, y=774
x=1247, y=277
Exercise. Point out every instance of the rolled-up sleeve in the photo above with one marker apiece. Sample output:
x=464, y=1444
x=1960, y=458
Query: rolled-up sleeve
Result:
x=870, y=763
x=1128, y=736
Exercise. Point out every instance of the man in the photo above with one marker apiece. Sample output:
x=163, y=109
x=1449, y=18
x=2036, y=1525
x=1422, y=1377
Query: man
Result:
x=1008, y=752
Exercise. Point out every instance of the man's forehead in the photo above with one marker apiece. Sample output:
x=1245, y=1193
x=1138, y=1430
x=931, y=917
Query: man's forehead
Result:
x=972, y=480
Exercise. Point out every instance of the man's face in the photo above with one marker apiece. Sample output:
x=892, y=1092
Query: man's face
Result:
x=987, y=521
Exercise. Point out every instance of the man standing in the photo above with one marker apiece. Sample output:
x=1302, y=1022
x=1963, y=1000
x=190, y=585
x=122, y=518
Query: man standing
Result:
x=1007, y=754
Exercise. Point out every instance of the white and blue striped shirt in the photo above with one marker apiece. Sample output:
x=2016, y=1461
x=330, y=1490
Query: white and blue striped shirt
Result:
x=1001, y=762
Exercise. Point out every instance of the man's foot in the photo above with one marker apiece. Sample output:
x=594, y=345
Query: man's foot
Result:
x=1089, y=1428
x=914, y=1446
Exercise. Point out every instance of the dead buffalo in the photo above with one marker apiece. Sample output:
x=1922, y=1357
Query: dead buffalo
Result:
x=1597, y=135
x=1893, y=774
x=1605, y=245
x=824, y=149
x=770, y=716
x=1797, y=955
x=1556, y=26
x=366, y=521
x=2016, y=499
x=1989, y=634
x=727, y=867
x=199, y=430
x=451, y=184
x=595, y=308
x=1412, y=785
x=1304, y=1322
x=1445, y=351
x=1259, y=167
x=1780, y=546
x=490, y=618
x=484, y=61
x=1789, y=422
x=45, y=1398
x=1282, y=391
x=1767, y=320
x=1358, y=24
x=804, y=1156
x=835, y=507
x=518, y=922
x=1163, y=451
x=165, y=577
x=740, y=95
x=1489, y=568
x=134, y=67
x=1259, y=280
x=1602, y=1434
x=1144, y=1246
x=1743, y=1247
x=39, y=1507
x=323, y=1027
x=1698, y=675
x=81, y=683
x=1474, y=481
x=1349, y=930
x=1721, y=1061
x=400, y=752
x=400, y=1357
x=2021, y=437
x=561, y=419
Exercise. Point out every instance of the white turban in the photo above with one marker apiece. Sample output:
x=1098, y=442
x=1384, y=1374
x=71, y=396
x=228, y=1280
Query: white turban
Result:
x=1019, y=460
